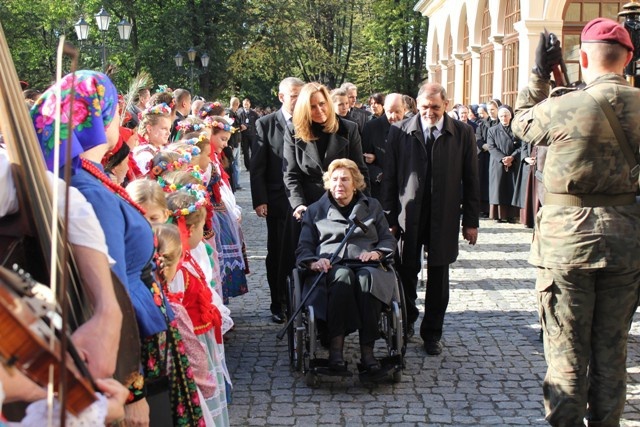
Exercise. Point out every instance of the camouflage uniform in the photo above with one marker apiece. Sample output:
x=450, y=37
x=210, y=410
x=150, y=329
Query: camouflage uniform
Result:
x=588, y=258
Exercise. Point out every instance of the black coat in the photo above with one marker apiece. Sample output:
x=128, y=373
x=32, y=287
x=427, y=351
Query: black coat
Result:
x=522, y=178
x=501, y=181
x=360, y=117
x=323, y=229
x=374, y=141
x=267, y=184
x=303, y=167
x=454, y=162
x=482, y=128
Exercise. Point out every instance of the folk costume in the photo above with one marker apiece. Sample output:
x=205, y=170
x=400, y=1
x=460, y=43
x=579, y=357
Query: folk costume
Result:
x=129, y=240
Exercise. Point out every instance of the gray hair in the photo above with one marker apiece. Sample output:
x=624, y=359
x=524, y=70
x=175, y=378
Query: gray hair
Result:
x=430, y=89
x=288, y=83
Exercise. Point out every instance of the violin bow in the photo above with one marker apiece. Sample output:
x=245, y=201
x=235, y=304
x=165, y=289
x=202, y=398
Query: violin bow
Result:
x=63, y=49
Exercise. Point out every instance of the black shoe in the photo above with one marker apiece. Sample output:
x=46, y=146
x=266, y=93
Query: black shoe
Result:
x=410, y=330
x=277, y=318
x=239, y=188
x=433, y=348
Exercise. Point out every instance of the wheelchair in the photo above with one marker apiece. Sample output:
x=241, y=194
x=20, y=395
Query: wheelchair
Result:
x=304, y=342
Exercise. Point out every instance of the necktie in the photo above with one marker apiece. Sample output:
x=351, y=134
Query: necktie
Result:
x=431, y=138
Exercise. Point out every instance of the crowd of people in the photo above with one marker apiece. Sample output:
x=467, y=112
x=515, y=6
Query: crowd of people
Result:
x=156, y=175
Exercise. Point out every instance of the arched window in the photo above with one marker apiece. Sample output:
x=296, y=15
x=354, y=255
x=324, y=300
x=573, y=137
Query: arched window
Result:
x=486, y=57
x=576, y=14
x=466, y=88
x=510, y=53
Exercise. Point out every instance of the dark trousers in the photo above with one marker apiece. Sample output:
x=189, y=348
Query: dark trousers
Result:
x=277, y=284
x=350, y=304
x=247, y=141
x=436, y=296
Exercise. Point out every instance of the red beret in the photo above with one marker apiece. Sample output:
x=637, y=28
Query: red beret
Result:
x=606, y=30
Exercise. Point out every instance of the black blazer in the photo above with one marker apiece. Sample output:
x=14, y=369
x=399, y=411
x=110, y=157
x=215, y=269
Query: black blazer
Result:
x=267, y=185
x=303, y=167
x=374, y=141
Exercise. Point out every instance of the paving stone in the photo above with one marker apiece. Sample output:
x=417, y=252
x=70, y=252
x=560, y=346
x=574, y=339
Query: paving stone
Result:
x=489, y=374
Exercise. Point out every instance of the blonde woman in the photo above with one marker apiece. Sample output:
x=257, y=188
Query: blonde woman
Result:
x=320, y=137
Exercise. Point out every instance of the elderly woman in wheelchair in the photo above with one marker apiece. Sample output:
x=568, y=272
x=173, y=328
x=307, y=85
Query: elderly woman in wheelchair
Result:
x=358, y=283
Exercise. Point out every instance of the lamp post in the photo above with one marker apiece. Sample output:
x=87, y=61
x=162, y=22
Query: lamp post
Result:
x=103, y=19
x=191, y=55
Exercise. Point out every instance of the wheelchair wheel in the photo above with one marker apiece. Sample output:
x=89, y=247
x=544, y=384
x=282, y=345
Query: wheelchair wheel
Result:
x=291, y=330
x=295, y=332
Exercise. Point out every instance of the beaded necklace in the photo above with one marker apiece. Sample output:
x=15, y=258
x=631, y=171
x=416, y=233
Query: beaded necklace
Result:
x=120, y=191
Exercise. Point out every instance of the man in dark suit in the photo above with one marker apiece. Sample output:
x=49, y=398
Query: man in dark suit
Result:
x=248, y=117
x=355, y=114
x=428, y=158
x=374, y=139
x=267, y=186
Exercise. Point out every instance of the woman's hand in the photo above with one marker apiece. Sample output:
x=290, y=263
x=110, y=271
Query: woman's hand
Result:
x=297, y=214
x=322, y=264
x=370, y=256
x=369, y=158
x=507, y=160
x=137, y=414
x=116, y=395
x=530, y=160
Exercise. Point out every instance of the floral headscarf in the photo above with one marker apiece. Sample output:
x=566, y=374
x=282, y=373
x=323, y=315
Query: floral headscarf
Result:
x=94, y=107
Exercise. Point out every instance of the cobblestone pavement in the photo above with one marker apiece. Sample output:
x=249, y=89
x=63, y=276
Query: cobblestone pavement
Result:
x=489, y=374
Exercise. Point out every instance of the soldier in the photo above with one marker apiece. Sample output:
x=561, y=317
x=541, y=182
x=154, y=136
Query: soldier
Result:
x=587, y=237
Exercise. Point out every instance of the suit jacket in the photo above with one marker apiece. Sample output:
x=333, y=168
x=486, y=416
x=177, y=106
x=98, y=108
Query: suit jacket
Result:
x=454, y=161
x=360, y=117
x=374, y=141
x=303, y=167
x=249, y=120
x=267, y=185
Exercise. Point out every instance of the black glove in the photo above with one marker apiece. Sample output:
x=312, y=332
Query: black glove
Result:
x=548, y=55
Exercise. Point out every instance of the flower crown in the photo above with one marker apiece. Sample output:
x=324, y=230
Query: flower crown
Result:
x=162, y=166
x=207, y=109
x=186, y=126
x=158, y=109
x=164, y=88
x=193, y=141
x=170, y=188
x=199, y=193
x=210, y=122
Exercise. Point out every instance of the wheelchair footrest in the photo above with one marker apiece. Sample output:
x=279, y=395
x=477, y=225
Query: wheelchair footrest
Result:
x=392, y=362
x=388, y=365
x=321, y=367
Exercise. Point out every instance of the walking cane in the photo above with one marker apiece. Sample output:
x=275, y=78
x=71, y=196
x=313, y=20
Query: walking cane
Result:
x=355, y=223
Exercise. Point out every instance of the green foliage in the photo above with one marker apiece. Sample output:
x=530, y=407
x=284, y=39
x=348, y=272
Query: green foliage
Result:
x=252, y=44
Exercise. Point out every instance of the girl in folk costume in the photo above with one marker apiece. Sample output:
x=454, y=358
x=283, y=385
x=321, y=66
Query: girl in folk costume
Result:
x=209, y=257
x=154, y=391
x=191, y=288
x=153, y=134
x=168, y=262
x=230, y=240
x=227, y=239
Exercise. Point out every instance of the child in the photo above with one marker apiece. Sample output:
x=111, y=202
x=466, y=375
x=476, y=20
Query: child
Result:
x=149, y=195
x=153, y=134
x=168, y=259
x=191, y=288
x=233, y=262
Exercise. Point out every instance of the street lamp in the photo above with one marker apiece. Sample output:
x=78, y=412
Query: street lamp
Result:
x=191, y=55
x=103, y=19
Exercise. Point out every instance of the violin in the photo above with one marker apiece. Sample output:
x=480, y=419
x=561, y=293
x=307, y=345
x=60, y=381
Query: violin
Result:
x=28, y=343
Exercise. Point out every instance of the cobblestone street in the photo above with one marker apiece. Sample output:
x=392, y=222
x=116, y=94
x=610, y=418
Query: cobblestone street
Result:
x=489, y=374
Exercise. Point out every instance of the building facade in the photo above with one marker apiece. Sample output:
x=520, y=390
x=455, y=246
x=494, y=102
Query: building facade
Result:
x=484, y=49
